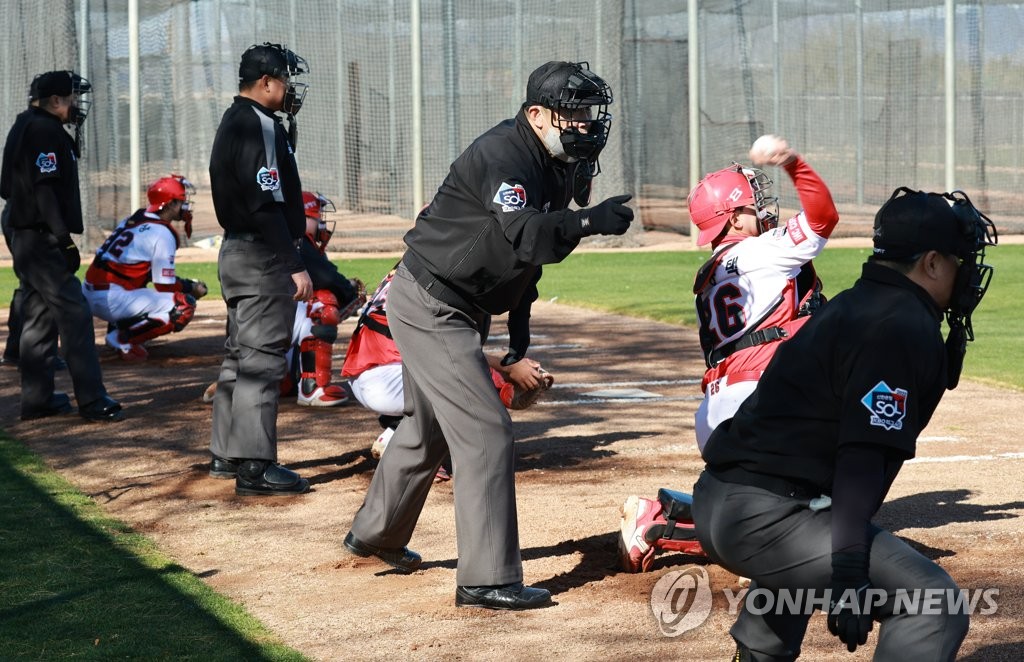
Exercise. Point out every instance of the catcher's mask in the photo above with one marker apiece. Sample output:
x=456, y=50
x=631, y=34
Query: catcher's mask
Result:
x=715, y=199
x=579, y=99
x=279, y=62
x=168, y=189
x=911, y=223
x=316, y=206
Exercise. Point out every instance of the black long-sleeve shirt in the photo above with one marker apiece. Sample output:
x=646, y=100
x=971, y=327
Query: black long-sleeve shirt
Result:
x=255, y=180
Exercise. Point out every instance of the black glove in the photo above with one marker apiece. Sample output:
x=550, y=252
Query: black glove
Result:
x=70, y=252
x=609, y=217
x=849, y=617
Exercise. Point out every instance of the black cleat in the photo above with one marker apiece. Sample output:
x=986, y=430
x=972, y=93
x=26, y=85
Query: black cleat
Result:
x=104, y=410
x=509, y=596
x=266, y=478
x=402, y=559
x=58, y=404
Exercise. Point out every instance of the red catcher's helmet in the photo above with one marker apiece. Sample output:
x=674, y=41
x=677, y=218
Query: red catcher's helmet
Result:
x=168, y=189
x=316, y=207
x=714, y=199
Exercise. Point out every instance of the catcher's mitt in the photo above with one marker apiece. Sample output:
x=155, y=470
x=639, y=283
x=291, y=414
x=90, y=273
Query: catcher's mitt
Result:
x=518, y=398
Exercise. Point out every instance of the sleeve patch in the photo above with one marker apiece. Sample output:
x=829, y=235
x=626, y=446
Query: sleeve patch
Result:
x=167, y=273
x=268, y=179
x=796, y=233
x=47, y=162
x=511, y=197
x=888, y=406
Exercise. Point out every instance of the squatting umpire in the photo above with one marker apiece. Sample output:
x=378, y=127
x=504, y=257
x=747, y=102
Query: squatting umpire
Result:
x=793, y=480
x=477, y=251
x=257, y=197
x=39, y=180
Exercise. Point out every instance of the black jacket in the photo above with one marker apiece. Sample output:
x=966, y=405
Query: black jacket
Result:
x=255, y=181
x=498, y=216
x=40, y=175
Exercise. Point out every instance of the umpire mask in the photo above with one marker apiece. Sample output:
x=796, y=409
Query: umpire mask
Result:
x=976, y=232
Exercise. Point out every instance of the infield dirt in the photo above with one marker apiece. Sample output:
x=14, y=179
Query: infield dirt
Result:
x=579, y=457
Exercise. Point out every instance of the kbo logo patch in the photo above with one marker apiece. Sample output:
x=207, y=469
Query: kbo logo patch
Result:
x=47, y=162
x=268, y=179
x=887, y=405
x=511, y=197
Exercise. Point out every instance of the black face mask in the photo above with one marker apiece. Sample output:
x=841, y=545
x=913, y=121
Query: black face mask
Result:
x=977, y=231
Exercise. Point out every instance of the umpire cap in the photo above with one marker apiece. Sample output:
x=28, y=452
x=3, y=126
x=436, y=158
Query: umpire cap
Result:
x=268, y=59
x=913, y=222
x=554, y=84
x=61, y=83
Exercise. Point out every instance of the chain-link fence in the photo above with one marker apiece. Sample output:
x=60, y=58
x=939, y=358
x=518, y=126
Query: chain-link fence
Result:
x=860, y=87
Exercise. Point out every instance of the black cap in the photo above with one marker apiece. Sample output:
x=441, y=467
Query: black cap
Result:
x=912, y=222
x=264, y=59
x=61, y=83
x=554, y=83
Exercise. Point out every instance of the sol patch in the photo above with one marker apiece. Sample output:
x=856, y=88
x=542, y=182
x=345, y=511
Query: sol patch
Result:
x=268, y=179
x=511, y=197
x=887, y=405
x=47, y=162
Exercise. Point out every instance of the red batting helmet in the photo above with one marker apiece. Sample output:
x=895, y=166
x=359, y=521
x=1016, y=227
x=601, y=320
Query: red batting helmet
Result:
x=715, y=198
x=168, y=189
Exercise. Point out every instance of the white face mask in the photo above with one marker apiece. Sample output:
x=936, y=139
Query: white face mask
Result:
x=553, y=143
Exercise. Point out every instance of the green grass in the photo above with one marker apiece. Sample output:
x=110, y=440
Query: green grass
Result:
x=658, y=286
x=78, y=584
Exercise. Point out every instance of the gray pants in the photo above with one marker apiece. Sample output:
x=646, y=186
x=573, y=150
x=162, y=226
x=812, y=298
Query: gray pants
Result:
x=261, y=312
x=52, y=303
x=451, y=404
x=780, y=543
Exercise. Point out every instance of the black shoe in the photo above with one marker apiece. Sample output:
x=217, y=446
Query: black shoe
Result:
x=510, y=596
x=9, y=359
x=403, y=559
x=222, y=467
x=266, y=478
x=58, y=404
x=104, y=410
x=59, y=363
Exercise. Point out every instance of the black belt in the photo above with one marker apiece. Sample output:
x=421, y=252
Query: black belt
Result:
x=244, y=236
x=433, y=285
x=776, y=485
x=255, y=237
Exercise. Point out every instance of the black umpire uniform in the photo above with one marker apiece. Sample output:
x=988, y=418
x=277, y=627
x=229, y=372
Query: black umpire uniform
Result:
x=257, y=197
x=793, y=480
x=477, y=251
x=40, y=182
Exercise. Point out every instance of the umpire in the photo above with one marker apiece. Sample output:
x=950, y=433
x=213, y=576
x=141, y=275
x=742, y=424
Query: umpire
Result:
x=257, y=197
x=477, y=251
x=793, y=480
x=39, y=180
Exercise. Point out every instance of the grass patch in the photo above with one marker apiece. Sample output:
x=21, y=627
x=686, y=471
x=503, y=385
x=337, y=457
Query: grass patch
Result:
x=79, y=584
x=658, y=286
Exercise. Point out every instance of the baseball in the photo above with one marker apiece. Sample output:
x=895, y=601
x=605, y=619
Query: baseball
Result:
x=770, y=150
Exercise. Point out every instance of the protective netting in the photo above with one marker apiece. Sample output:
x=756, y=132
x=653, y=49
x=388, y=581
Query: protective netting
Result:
x=858, y=87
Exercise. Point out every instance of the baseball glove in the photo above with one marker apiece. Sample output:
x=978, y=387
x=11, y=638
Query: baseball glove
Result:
x=518, y=398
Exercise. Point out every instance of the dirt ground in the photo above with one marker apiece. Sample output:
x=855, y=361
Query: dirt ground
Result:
x=582, y=451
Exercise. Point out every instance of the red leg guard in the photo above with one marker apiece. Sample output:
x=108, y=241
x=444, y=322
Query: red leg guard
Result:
x=315, y=388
